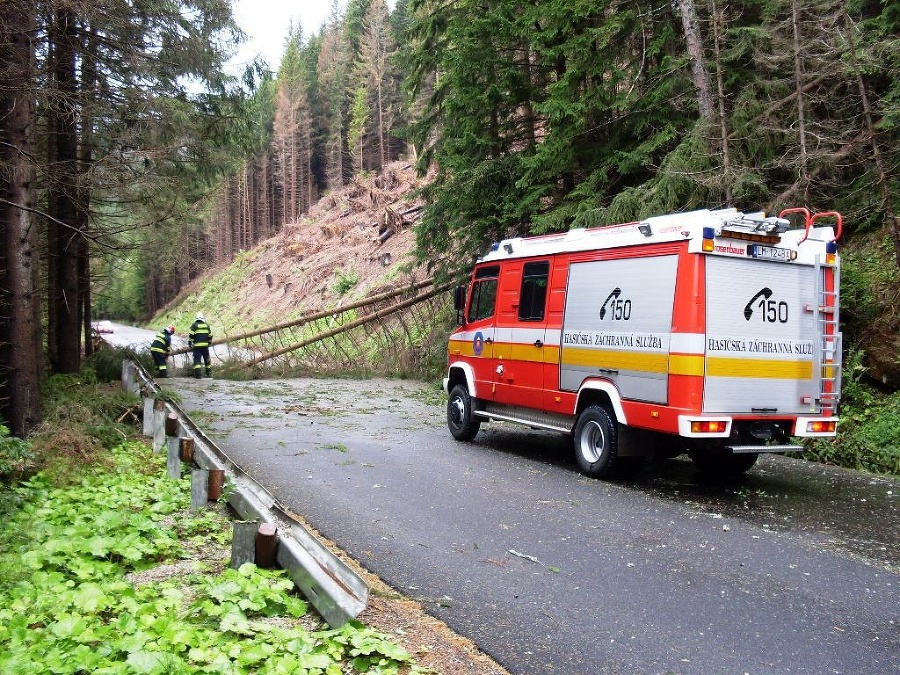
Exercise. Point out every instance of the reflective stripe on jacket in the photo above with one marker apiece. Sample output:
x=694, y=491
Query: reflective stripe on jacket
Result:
x=161, y=343
x=200, y=334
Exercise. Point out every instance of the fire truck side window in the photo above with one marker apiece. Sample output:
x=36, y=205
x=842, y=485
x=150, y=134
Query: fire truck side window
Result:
x=484, y=293
x=533, y=298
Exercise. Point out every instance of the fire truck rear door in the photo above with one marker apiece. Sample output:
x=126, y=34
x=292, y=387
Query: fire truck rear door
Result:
x=760, y=339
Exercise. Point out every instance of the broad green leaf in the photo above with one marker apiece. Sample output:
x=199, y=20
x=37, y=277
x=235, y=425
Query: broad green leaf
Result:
x=144, y=661
x=312, y=661
x=254, y=654
x=90, y=597
x=67, y=625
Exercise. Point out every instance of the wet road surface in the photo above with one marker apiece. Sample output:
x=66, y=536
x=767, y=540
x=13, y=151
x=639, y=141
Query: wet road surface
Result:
x=795, y=568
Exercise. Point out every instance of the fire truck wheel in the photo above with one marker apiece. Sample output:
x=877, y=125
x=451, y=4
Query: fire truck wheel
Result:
x=462, y=423
x=722, y=464
x=596, y=443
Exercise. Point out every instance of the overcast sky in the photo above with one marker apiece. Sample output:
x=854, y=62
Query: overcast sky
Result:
x=267, y=22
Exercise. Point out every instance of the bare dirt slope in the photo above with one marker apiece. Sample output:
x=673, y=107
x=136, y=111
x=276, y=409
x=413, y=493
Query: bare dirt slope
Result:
x=354, y=242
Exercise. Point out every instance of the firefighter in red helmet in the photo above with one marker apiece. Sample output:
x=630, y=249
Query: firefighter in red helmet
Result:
x=160, y=349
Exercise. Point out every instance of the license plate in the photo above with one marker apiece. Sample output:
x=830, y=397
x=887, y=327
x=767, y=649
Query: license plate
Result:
x=771, y=253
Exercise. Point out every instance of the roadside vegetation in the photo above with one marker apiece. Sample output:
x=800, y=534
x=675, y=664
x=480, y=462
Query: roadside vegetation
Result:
x=104, y=568
x=869, y=432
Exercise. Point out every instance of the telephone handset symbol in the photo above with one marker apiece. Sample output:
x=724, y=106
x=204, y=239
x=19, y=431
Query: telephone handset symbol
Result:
x=616, y=292
x=764, y=293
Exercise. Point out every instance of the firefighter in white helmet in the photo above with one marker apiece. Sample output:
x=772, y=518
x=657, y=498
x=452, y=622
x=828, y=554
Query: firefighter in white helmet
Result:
x=199, y=338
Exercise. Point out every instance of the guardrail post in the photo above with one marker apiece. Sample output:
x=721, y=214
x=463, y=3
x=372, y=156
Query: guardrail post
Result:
x=173, y=446
x=171, y=425
x=253, y=543
x=199, y=489
x=159, y=424
x=243, y=542
x=266, y=544
x=148, y=416
x=131, y=379
x=215, y=484
x=173, y=458
x=127, y=375
x=186, y=449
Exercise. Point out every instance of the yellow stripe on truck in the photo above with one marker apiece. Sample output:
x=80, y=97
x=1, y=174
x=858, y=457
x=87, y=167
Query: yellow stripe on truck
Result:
x=675, y=364
x=683, y=364
x=461, y=348
x=526, y=352
x=759, y=368
x=616, y=360
x=506, y=350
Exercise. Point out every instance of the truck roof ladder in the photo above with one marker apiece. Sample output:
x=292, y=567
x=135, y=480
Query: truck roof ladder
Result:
x=828, y=336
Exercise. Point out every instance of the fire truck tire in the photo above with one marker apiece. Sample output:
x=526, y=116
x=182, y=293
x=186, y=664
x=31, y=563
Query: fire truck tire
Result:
x=596, y=442
x=721, y=464
x=462, y=423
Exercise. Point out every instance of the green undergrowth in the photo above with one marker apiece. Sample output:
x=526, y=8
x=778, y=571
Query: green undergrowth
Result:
x=78, y=592
x=869, y=428
x=83, y=416
x=106, y=362
x=14, y=452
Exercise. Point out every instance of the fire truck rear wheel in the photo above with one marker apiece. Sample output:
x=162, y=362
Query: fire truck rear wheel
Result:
x=596, y=442
x=460, y=420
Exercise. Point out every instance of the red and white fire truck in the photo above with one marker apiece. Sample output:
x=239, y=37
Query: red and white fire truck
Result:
x=713, y=333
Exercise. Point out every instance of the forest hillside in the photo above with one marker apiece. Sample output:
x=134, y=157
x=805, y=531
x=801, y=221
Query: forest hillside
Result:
x=354, y=242
x=361, y=239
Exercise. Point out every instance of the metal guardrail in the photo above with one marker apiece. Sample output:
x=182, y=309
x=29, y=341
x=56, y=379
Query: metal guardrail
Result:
x=335, y=590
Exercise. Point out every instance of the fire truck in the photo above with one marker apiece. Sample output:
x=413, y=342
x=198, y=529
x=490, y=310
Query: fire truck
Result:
x=713, y=333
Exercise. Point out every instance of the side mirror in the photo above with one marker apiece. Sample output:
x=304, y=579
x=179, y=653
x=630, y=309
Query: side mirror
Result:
x=459, y=303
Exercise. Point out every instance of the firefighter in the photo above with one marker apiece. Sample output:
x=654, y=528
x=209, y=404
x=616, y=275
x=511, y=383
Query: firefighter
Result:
x=160, y=348
x=198, y=340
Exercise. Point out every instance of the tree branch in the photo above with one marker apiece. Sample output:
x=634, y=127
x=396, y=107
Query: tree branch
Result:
x=95, y=238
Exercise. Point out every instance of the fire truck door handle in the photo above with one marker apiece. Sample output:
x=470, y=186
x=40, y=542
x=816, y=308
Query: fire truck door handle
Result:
x=608, y=371
x=538, y=343
x=488, y=341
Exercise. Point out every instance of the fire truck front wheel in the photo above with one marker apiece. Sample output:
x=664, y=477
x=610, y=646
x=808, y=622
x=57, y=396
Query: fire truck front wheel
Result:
x=461, y=421
x=596, y=442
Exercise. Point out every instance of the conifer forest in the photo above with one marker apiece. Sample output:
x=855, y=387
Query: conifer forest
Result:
x=132, y=161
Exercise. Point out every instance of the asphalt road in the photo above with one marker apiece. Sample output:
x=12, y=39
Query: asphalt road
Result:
x=793, y=569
